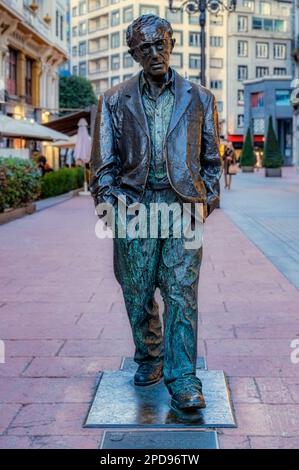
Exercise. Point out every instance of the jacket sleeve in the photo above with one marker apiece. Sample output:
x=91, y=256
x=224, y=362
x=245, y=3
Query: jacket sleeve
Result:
x=211, y=167
x=104, y=164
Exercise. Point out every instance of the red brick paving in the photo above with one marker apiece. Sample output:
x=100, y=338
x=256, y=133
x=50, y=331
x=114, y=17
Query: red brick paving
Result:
x=63, y=320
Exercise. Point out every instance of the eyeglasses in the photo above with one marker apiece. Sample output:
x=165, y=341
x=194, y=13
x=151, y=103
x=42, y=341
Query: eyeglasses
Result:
x=145, y=48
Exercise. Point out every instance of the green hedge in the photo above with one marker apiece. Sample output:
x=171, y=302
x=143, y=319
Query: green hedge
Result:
x=272, y=154
x=20, y=182
x=62, y=181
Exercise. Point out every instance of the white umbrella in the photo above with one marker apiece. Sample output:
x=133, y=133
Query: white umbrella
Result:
x=83, y=144
x=10, y=127
x=83, y=149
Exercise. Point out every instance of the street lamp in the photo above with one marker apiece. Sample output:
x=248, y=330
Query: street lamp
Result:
x=201, y=6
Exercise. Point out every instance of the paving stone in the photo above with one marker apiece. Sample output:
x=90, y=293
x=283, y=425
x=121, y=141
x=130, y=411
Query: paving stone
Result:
x=7, y=412
x=70, y=366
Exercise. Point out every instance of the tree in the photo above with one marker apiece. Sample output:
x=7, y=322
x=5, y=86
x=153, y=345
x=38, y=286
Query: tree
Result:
x=248, y=157
x=272, y=154
x=76, y=92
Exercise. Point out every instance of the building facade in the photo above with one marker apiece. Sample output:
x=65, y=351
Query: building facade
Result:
x=32, y=49
x=259, y=44
x=265, y=97
x=253, y=42
x=295, y=88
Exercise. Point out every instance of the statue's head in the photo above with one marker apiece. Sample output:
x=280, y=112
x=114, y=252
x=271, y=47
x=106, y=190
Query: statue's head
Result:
x=150, y=40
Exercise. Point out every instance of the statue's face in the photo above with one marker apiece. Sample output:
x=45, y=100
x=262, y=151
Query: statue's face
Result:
x=152, y=48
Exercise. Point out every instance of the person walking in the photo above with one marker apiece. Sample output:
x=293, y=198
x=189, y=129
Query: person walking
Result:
x=229, y=164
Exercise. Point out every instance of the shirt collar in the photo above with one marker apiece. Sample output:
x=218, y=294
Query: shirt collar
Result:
x=170, y=81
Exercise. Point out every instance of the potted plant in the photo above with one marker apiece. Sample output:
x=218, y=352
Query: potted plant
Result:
x=273, y=159
x=248, y=158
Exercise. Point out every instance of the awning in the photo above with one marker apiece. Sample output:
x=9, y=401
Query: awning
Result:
x=20, y=128
x=240, y=138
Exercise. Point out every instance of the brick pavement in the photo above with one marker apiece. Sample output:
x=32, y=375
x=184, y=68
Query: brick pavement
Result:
x=63, y=319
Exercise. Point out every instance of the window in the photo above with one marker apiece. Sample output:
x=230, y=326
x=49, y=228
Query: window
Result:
x=115, y=40
x=194, y=19
x=240, y=120
x=128, y=60
x=174, y=16
x=194, y=39
x=240, y=97
x=128, y=14
x=115, y=81
x=124, y=37
x=259, y=126
x=75, y=70
x=82, y=28
x=100, y=22
x=82, y=8
x=101, y=86
x=115, y=18
x=195, y=79
x=249, y=4
x=280, y=51
x=115, y=62
x=82, y=48
x=61, y=27
x=146, y=10
x=267, y=24
x=176, y=60
x=216, y=63
x=257, y=100
x=282, y=97
x=75, y=31
x=194, y=61
x=75, y=12
x=264, y=8
x=220, y=106
x=261, y=72
x=216, y=41
x=74, y=51
x=262, y=50
x=242, y=24
x=242, y=72
x=82, y=69
x=57, y=23
x=280, y=71
x=243, y=48
x=178, y=36
x=12, y=72
x=216, y=84
x=28, y=81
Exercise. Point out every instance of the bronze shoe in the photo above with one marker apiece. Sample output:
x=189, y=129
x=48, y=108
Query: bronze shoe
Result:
x=148, y=374
x=187, y=400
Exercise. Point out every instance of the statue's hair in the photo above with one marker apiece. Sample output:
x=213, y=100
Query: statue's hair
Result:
x=146, y=20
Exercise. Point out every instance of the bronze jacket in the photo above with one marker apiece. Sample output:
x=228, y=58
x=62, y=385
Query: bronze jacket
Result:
x=121, y=148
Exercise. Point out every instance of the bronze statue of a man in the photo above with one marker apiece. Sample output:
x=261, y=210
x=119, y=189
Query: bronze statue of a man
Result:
x=157, y=141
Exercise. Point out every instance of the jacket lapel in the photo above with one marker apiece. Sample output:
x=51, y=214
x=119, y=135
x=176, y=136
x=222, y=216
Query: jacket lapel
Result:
x=182, y=100
x=134, y=103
